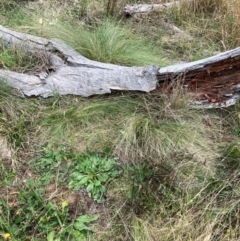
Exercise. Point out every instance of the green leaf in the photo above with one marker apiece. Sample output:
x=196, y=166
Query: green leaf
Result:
x=108, y=165
x=115, y=173
x=77, y=235
x=79, y=184
x=83, y=181
x=90, y=187
x=87, y=218
x=82, y=227
x=77, y=176
x=233, y=150
x=50, y=236
x=84, y=219
x=103, y=177
x=97, y=183
x=107, y=150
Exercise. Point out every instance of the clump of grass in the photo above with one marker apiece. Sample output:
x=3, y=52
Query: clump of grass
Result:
x=109, y=42
x=16, y=119
x=17, y=58
x=113, y=44
x=5, y=89
x=162, y=124
x=105, y=41
x=90, y=123
x=176, y=151
x=173, y=143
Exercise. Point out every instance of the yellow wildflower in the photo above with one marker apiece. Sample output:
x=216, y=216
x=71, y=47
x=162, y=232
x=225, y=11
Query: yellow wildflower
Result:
x=64, y=204
x=6, y=236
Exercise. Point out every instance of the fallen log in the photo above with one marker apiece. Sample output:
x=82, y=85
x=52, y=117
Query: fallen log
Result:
x=215, y=81
x=69, y=72
x=132, y=9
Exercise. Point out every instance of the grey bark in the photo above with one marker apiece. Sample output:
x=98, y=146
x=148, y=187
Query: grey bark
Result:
x=132, y=9
x=73, y=73
x=215, y=81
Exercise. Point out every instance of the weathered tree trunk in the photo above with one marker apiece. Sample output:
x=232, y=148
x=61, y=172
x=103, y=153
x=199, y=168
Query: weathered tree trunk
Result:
x=133, y=9
x=215, y=81
x=71, y=73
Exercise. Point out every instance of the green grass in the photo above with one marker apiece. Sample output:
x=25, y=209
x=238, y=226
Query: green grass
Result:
x=5, y=89
x=179, y=166
x=16, y=58
x=113, y=44
x=170, y=165
x=108, y=42
x=47, y=218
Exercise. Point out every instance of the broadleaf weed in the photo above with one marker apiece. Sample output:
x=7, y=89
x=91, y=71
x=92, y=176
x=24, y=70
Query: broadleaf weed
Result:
x=36, y=216
x=93, y=172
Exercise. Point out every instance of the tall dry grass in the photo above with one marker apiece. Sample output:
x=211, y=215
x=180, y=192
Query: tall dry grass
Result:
x=218, y=19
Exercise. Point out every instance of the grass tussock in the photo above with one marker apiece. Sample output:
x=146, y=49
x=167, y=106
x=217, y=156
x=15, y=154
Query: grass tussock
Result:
x=108, y=42
x=161, y=170
x=175, y=146
x=105, y=40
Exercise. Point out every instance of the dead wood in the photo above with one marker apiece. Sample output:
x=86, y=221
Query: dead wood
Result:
x=133, y=9
x=71, y=73
x=215, y=81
